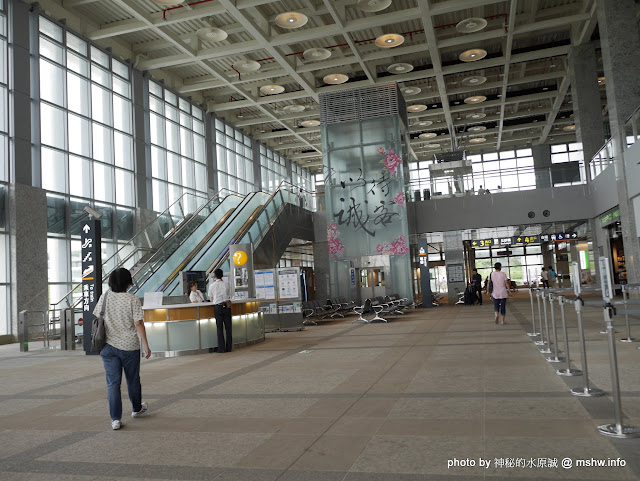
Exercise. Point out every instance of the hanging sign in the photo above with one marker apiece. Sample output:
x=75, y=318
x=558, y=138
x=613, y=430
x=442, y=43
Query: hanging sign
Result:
x=605, y=279
x=559, y=237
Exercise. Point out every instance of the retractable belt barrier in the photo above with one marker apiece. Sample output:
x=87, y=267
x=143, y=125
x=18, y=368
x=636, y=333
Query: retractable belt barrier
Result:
x=610, y=309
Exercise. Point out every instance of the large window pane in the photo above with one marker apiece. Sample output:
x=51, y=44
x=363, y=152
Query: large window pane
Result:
x=101, y=104
x=124, y=187
x=103, y=182
x=58, y=255
x=54, y=171
x=80, y=176
x=79, y=135
x=51, y=83
x=52, y=123
x=56, y=214
x=78, y=93
x=102, y=148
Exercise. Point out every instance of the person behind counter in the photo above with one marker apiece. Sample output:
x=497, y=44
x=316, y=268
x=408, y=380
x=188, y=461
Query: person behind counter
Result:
x=195, y=295
x=123, y=322
x=220, y=297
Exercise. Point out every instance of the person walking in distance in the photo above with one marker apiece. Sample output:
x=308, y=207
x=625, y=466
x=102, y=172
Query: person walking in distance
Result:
x=499, y=291
x=477, y=285
x=552, y=276
x=545, y=278
x=219, y=295
x=123, y=323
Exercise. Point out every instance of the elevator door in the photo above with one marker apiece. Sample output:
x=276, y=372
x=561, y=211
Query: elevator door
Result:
x=372, y=283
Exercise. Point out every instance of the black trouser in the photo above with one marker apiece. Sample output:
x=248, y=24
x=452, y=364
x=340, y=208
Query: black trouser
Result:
x=478, y=292
x=223, y=318
x=545, y=283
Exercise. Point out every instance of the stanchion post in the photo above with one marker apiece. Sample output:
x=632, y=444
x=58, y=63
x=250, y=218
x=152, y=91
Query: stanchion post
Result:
x=23, y=331
x=585, y=391
x=617, y=429
x=539, y=342
x=567, y=371
x=547, y=349
x=533, y=332
x=625, y=296
x=555, y=357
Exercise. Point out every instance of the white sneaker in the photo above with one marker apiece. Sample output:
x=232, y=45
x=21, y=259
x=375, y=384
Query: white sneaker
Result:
x=143, y=410
x=115, y=425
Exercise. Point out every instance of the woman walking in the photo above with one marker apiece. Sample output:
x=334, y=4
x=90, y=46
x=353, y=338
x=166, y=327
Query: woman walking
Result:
x=123, y=322
x=499, y=291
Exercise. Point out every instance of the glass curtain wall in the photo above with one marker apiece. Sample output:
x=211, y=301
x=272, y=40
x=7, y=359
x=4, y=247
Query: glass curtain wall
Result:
x=234, y=157
x=5, y=317
x=522, y=265
x=504, y=171
x=178, y=160
x=274, y=169
x=86, y=148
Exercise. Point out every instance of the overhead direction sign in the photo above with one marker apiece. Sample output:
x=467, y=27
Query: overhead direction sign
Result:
x=559, y=237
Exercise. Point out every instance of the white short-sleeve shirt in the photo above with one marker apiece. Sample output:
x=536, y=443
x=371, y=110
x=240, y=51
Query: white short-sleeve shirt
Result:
x=122, y=311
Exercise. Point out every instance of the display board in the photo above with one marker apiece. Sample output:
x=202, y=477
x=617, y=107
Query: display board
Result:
x=242, y=280
x=289, y=283
x=455, y=272
x=265, y=282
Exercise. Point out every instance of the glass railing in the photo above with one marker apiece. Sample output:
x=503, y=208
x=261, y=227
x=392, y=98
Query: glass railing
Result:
x=632, y=127
x=208, y=248
x=166, y=262
x=505, y=180
x=602, y=160
x=145, y=242
x=255, y=231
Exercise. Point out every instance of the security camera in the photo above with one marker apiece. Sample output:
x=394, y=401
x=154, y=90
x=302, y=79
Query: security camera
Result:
x=92, y=212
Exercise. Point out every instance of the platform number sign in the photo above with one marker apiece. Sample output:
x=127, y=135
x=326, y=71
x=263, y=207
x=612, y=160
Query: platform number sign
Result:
x=91, y=276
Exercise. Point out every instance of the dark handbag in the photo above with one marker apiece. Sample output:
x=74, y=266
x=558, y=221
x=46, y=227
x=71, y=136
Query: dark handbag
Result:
x=98, y=334
x=490, y=285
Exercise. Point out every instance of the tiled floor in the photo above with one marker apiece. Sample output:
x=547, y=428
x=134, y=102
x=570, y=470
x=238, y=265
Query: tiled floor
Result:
x=424, y=397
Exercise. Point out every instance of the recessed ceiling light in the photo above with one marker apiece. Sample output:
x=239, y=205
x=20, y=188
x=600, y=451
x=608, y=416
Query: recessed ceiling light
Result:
x=477, y=128
x=424, y=123
x=373, y=5
x=476, y=116
x=211, y=34
x=410, y=90
x=475, y=80
x=427, y=135
x=545, y=88
x=271, y=89
x=432, y=146
x=291, y=20
x=314, y=54
x=476, y=99
x=470, y=25
x=335, y=79
x=569, y=128
x=398, y=68
x=416, y=108
x=389, y=40
x=473, y=55
x=601, y=80
x=246, y=66
x=294, y=108
x=477, y=140
x=310, y=123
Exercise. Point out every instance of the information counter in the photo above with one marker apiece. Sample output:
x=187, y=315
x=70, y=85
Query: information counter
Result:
x=179, y=329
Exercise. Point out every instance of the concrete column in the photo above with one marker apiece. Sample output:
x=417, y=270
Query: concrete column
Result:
x=257, y=170
x=586, y=100
x=454, y=255
x=211, y=153
x=141, y=141
x=542, y=164
x=27, y=209
x=620, y=43
x=321, y=267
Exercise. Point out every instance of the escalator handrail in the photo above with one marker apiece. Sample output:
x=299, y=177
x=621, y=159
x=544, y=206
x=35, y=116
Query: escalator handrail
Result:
x=242, y=232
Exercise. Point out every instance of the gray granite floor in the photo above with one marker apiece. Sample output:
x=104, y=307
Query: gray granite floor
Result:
x=428, y=396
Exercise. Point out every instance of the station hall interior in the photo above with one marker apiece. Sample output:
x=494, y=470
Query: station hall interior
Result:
x=349, y=165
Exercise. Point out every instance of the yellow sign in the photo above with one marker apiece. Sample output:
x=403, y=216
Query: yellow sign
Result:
x=240, y=258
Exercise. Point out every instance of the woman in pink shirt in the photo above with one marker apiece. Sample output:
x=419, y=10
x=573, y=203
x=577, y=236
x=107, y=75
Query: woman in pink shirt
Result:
x=500, y=291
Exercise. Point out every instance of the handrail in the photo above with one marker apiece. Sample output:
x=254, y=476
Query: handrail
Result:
x=165, y=212
x=247, y=225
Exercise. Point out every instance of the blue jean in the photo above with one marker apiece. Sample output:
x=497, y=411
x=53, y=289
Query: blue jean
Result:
x=115, y=360
x=500, y=305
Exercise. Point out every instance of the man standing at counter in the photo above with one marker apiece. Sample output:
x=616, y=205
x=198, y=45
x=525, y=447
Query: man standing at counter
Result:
x=219, y=295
